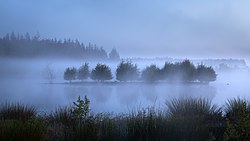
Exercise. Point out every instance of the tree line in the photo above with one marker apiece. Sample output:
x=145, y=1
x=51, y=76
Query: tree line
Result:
x=18, y=45
x=184, y=71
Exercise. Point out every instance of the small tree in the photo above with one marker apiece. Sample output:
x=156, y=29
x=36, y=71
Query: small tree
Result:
x=101, y=72
x=114, y=55
x=205, y=74
x=151, y=73
x=49, y=74
x=70, y=74
x=83, y=72
x=80, y=109
x=126, y=71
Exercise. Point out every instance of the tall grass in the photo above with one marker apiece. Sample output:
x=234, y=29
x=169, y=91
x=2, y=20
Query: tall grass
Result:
x=147, y=124
x=237, y=113
x=193, y=119
x=237, y=108
x=17, y=112
x=20, y=123
x=187, y=119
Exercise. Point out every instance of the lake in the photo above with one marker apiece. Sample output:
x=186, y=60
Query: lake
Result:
x=22, y=81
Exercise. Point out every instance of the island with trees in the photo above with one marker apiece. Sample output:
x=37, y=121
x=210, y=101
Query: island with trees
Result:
x=126, y=71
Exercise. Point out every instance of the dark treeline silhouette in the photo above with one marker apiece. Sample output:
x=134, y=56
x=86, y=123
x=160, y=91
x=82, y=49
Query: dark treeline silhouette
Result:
x=184, y=71
x=12, y=45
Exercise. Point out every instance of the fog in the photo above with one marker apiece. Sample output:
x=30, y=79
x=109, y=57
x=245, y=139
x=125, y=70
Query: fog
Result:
x=138, y=28
x=22, y=80
x=64, y=33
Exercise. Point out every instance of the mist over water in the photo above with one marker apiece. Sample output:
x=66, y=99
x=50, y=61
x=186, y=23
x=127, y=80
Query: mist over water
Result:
x=23, y=81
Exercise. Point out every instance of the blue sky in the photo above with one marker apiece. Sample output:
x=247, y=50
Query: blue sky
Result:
x=175, y=28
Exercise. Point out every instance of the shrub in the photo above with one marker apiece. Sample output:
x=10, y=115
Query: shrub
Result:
x=72, y=123
x=70, y=74
x=190, y=119
x=83, y=72
x=126, y=71
x=101, y=72
x=238, y=120
x=205, y=74
x=151, y=73
x=80, y=109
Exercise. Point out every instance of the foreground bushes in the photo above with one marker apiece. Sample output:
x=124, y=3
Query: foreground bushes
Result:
x=20, y=123
x=187, y=119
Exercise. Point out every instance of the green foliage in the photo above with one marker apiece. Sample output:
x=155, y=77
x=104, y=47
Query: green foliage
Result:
x=205, y=74
x=80, y=109
x=126, y=71
x=151, y=73
x=70, y=74
x=238, y=120
x=72, y=123
x=83, y=72
x=101, y=72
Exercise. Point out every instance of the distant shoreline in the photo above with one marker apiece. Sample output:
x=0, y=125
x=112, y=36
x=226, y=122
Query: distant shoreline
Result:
x=127, y=83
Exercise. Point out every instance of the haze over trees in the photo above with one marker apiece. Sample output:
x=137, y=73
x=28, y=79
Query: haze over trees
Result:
x=127, y=71
x=205, y=74
x=114, y=55
x=101, y=73
x=70, y=74
x=151, y=73
x=26, y=46
x=83, y=72
x=184, y=71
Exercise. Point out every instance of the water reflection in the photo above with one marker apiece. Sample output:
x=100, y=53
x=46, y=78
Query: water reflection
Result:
x=103, y=98
x=127, y=94
x=101, y=93
x=123, y=97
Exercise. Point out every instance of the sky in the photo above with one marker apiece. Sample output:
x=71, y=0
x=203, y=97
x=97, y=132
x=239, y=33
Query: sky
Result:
x=138, y=28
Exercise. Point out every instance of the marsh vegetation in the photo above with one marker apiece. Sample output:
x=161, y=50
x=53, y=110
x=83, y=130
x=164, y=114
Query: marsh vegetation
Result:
x=191, y=119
